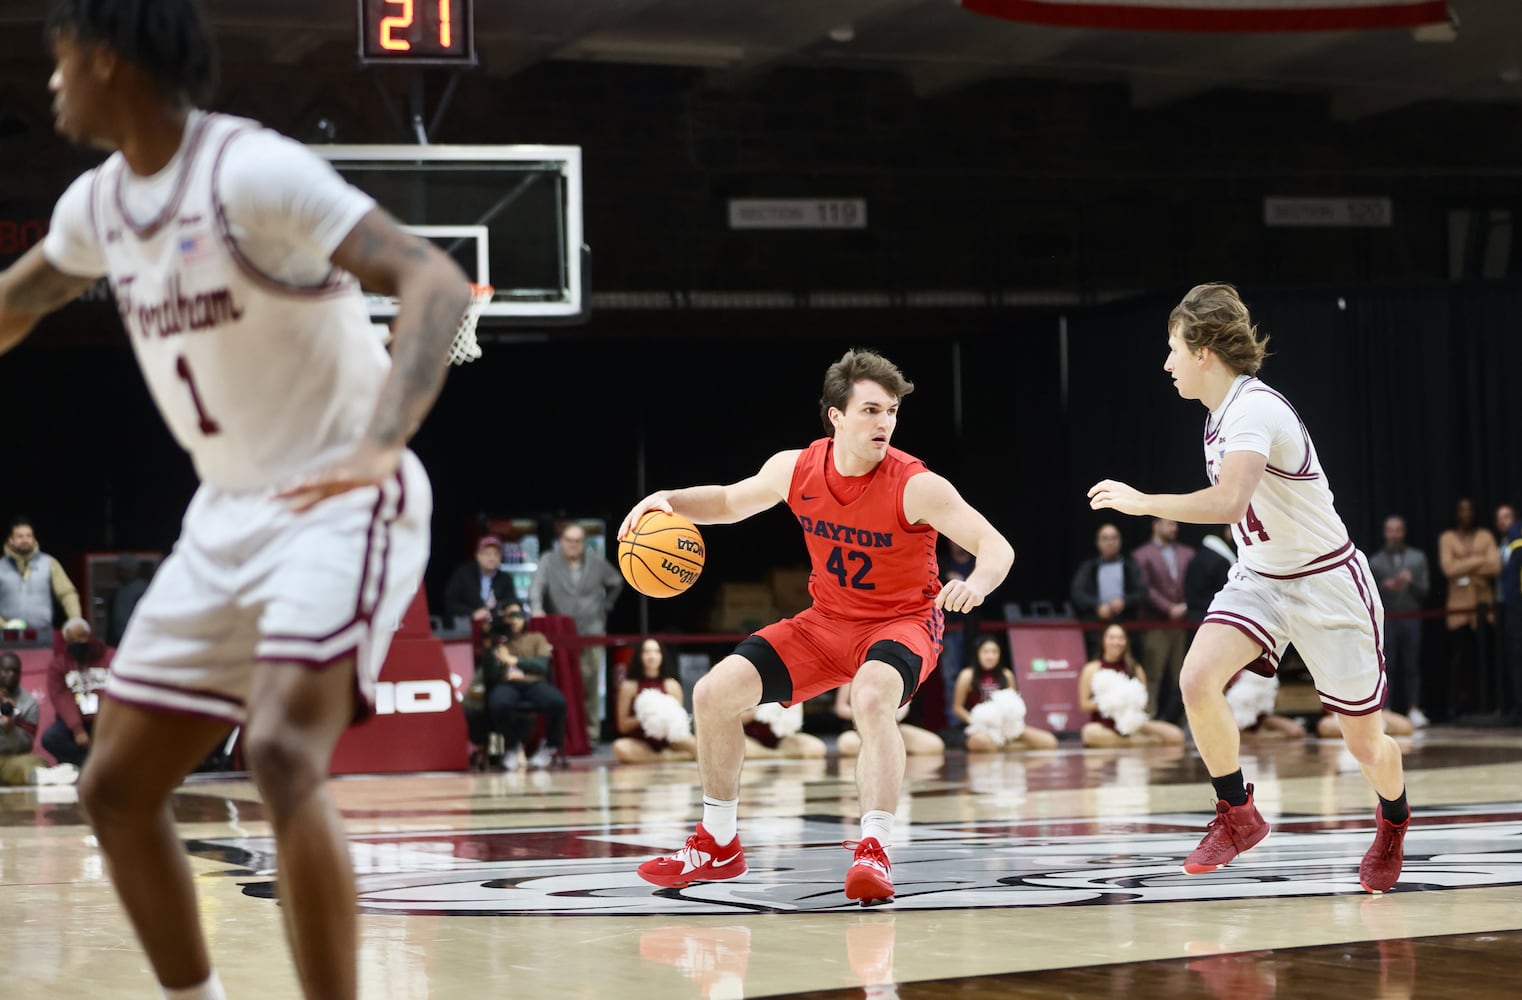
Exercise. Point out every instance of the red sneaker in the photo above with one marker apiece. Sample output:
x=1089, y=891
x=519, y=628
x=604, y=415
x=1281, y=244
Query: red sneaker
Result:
x=870, y=877
x=1235, y=830
x=1380, y=868
x=699, y=860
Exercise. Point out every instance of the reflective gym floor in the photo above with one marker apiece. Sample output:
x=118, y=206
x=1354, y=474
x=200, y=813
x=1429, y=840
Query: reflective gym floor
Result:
x=1037, y=875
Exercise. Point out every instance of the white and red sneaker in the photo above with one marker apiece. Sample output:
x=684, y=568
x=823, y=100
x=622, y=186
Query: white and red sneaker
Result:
x=699, y=860
x=870, y=877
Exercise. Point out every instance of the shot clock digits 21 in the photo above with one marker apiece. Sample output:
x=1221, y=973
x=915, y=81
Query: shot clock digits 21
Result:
x=416, y=32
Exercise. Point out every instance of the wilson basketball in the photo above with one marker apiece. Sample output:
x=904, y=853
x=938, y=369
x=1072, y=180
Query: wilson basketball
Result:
x=662, y=556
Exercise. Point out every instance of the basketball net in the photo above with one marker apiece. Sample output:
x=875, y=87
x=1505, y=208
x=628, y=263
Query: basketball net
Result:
x=466, y=347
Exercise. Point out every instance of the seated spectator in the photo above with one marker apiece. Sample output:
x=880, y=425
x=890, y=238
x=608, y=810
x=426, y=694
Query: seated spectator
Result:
x=1127, y=725
x=511, y=684
x=1252, y=698
x=18, y=729
x=477, y=590
x=773, y=732
x=133, y=575
x=1109, y=587
x=76, y=684
x=981, y=682
x=636, y=744
x=30, y=580
x=1328, y=728
x=917, y=742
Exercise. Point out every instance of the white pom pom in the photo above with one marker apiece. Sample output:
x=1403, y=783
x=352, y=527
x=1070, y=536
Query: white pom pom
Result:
x=661, y=716
x=1120, y=698
x=784, y=722
x=1000, y=718
x=985, y=719
x=1252, y=697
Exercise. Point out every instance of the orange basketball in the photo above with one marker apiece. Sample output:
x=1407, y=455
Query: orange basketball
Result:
x=662, y=556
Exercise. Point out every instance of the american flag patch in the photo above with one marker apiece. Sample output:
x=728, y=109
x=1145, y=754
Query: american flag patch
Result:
x=194, y=247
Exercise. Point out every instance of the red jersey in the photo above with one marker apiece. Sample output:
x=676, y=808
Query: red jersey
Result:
x=986, y=684
x=869, y=563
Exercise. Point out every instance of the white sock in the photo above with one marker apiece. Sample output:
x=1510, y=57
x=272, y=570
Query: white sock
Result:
x=877, y=823
x=209, y=990
x=720, y=818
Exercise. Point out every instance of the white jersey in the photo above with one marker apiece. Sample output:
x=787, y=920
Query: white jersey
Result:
x=1291, y=527
x=257, y=350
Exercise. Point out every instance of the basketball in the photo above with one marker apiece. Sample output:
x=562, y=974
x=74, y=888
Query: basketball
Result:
x=662, y=556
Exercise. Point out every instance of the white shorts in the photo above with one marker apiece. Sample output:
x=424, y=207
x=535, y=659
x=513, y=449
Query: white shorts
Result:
x=250, y=581
x=1333, y=616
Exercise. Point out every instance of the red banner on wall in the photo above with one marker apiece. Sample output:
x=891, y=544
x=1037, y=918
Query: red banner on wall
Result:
x=1047, y=663
x=1218, y=15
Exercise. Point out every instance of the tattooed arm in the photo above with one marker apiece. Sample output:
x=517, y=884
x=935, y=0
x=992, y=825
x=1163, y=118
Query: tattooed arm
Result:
x=432, y=294
x=29, y=290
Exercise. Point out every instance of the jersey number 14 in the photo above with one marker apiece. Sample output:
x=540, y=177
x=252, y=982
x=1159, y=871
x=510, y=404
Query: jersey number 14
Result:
x=1250, y=525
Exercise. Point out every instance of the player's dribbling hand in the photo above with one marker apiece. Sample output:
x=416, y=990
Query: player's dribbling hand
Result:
x=1112, y=495
x=958, y=596
x=369, y=465
x=655, y=501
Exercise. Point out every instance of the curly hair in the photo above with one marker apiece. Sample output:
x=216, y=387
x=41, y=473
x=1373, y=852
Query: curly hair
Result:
x=1214, y=316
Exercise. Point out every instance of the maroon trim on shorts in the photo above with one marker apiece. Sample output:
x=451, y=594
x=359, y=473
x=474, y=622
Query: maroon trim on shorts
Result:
x=1345, y=550
x=153, y=706
x=127, y=675
x=171, y=209
x=1380, y=697
x=312, y=663
x=361, y=614
x=1245, y=625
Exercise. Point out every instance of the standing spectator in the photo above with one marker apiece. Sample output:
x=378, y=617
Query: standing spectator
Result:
x=76, y=683
x=1506, y=516
x=1401, y=573
x=1470, y=561
x=477, y=590
x=1511, y=622
x=133, y=575
x=1107, y=588
x=1208, y=571
x=1164, y=563
x=30, y=580
x=18, y=730
x=568, y=583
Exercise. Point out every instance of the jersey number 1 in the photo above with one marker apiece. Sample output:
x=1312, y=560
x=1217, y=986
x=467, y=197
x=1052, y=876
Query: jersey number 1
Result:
x=1250, y=525
x=208, y=425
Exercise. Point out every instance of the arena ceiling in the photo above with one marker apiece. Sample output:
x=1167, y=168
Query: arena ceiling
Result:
x=939, y=46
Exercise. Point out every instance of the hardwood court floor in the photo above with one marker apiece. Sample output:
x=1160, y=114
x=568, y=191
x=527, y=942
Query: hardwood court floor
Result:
x=1041, y=875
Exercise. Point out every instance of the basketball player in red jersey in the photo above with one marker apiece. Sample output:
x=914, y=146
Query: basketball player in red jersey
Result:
x=870, y=516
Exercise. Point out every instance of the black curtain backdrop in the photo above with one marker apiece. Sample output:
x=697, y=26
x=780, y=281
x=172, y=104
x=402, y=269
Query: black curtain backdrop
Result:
x=1404, y=389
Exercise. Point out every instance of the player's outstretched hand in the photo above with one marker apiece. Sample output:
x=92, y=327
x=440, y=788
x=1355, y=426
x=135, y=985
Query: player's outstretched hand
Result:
x=655, y=501
x=1112, y=495
x=369, y=465
x=958, y=596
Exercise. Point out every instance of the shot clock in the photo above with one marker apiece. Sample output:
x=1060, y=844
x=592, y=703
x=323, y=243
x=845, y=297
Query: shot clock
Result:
x=417, y=33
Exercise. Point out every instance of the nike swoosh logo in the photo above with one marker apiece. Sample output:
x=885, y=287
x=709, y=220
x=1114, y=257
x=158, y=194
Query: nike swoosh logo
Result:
x=726, y=861
x=805, y=496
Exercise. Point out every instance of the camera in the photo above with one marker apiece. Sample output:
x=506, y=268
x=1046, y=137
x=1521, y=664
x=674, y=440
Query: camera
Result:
x=7, y=708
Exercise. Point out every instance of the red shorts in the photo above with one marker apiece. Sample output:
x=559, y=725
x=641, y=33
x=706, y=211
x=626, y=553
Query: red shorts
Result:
x=814, y=652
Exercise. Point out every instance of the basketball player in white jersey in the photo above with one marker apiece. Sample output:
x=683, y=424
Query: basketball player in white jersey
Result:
x=233, y=254
x=1298, y=579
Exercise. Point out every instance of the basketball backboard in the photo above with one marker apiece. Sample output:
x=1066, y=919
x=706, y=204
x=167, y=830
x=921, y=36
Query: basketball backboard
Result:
x=510, y=216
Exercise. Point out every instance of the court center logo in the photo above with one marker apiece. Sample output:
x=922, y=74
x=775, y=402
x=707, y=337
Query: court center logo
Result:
x=797, y=865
